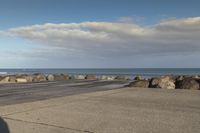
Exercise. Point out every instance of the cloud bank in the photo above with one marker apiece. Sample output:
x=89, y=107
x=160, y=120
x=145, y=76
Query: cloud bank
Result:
x=108, y=39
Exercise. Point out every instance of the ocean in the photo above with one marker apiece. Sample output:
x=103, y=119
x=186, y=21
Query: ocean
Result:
x=146, y=72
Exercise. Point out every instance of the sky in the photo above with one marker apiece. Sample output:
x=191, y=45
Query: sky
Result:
x=99, y=33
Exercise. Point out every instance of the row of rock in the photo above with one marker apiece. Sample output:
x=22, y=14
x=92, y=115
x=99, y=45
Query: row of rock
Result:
x=24, y=78
x=169, y=82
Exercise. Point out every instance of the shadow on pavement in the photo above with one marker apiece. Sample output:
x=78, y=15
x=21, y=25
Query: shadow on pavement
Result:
x=3, y=126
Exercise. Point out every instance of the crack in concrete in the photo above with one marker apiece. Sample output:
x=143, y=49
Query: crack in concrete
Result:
x=45, y=124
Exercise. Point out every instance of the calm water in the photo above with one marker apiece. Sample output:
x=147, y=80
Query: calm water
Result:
x=148, y=72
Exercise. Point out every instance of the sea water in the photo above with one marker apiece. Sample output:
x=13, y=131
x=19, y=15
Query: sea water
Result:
x=147, y=72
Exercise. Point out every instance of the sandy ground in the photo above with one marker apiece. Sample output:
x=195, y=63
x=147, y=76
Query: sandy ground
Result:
x=125, y=110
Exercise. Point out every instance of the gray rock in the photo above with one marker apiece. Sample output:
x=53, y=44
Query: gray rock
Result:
x=60, y=77
x=179, y=78
x=139, y=83
x=122, y=77
x=154, y=82
x=91, y=77
x=188, y=83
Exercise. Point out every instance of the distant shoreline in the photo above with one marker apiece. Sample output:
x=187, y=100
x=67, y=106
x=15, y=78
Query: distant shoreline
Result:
x=144, y=72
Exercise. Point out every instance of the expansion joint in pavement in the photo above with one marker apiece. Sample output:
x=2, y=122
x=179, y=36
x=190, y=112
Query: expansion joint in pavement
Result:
x=50, y=125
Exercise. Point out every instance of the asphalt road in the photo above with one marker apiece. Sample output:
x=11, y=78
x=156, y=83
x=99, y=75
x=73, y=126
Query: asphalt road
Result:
x=28, y=92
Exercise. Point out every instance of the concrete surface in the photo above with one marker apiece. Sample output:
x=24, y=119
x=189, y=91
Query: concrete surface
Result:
x=29, y=92
x=126, y=110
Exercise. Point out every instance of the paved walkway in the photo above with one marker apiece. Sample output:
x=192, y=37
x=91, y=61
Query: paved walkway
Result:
x=29, y=92
x=127, y=110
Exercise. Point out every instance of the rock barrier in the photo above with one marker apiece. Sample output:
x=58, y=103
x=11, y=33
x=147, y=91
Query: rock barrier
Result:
x=168, y=82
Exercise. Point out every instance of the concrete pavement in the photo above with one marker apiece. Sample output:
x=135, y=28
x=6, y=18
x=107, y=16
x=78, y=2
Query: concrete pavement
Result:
x=127, y=110
x=29, y=92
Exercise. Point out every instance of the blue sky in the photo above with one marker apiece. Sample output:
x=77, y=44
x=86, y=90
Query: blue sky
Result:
x=94, y=33
x=26, y=12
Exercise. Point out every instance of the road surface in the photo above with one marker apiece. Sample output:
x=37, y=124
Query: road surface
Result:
x=28, y=92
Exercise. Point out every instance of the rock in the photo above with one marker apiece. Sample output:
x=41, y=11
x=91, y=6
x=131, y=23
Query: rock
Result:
x=12, y=79
x=39, y=78
x=166, y=82
x=5, y=79
x=21, y=80
x=79, y=77
x=138, y=78
x=167, y=85
x=66, y=77
x=50, y=77
x=188, y=83
x=27, y=78
x=154, y=82
x=61, y=77
x=107, y=77
x=111, y=78
x=121, y=77
x=139, y=83
x=179, y=78
x=58, y=77
x=91, y=77
x=196, y=77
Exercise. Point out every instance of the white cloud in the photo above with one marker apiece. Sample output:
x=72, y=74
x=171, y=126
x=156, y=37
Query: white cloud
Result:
x=103, y=39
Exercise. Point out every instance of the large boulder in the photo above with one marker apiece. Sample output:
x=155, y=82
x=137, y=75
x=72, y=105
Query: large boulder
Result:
x=79, y=77
x=66, y=77
x=29, y=78
x=12, y=79
x=5, y=79
x=21, y=80
x=188, y=83
x=24, y=78
x=166, y=82
x=39, y=78
x=139, y=83
x=154, y=82
x=167, y=85
x=91, y=77
x=8, y=79
x=61, y=77
x=104, y=77
x=50, y=77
